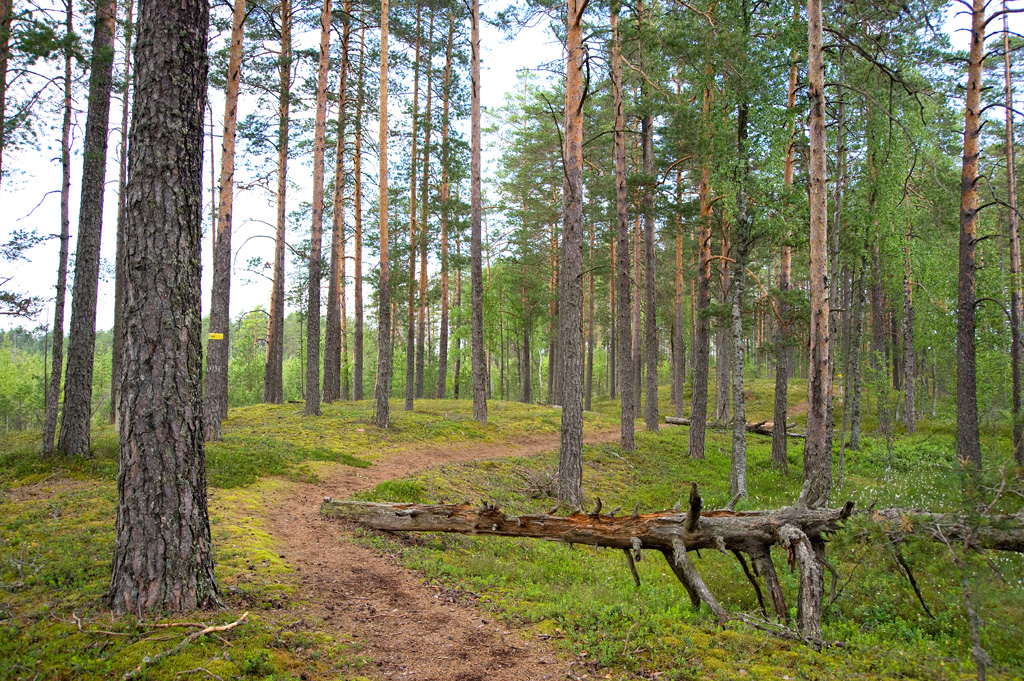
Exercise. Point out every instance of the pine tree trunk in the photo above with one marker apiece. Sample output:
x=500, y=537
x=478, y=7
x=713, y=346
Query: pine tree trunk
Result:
x=75, y=421
x=527, y=374
x=879, y=369
x=723, y=345
x=334, y=337
x=783, y=350
x=57, y=360
x=570, y=459
x=162, y=552
x=458, y=306
x=650, y=250
x=817, y=446
x=410, y=335
x=612, y=319
x=316, y=234
x=623, y=322
x=422, y=320
x=702, y=331
x=122, y=182
x=738, y=464
x=589, y=393
x=480, y=365
x=442, y=347
x=357, y=236
x=1013, y=224
x=273, y=379
x=215, y=399
x=856, y=365
x=679, y=348
x=638, y=327
x=385, y=341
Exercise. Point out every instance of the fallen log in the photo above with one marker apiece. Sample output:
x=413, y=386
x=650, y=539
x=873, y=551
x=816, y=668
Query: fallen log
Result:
x=802, y=531
x=758, y=428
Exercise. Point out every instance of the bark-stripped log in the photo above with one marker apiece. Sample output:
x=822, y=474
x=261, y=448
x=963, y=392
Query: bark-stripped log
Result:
x=758, y=428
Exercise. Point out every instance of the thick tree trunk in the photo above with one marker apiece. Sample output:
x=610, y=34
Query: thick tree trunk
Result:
x=570, y=320
x=218, y=345
x=818, y=445
x=1013, y=225
x=623, y=322
x=76, y=417
x=57, y=360
x=421, y=322
x=385, y=341
x=334, y=336
x=162, y=553
x=783, y=350
x=122, y=182
x=442, y=355
x=968, y=446
x=480, y=364
x=316, y=234
x=273, y=378
x=638, y=326
x=723, y=344
x=679, y=348
x=357, y=236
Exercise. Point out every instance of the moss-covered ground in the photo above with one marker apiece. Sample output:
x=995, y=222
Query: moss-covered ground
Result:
x=57, y=528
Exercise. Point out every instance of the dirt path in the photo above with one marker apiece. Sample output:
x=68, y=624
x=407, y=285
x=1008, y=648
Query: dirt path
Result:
x=409, y=629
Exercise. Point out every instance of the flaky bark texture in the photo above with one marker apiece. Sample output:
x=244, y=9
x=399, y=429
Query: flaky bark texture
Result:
x=6, y=14
x=442, y=348
x=702, y=330
x=74, y=425
x=334, y=334
x=480, y=366
x=679, y=347
x=385, y=341
x=650, y=250
x=738, y=462
x=968, y=440
x=273, y=378
x=57, y=359
x=624, y=333
x=316, y=233
x=162, y=554
x=218, y=345
x=570, y=321
x=818, y=445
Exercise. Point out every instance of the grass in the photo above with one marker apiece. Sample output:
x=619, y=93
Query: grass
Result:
x=57, y=529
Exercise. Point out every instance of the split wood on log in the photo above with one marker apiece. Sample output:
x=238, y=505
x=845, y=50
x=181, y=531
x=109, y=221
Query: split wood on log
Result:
x=758, y=428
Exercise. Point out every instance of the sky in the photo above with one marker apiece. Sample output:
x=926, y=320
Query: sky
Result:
x=30, y=199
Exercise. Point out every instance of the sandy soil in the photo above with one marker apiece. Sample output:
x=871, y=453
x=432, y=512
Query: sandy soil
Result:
x=409, y=629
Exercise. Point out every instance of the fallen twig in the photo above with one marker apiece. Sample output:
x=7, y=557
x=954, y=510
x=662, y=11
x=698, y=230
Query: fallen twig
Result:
x=177, y=649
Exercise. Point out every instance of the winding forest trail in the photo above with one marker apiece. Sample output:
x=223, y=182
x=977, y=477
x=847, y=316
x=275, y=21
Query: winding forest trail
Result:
x=407, y=628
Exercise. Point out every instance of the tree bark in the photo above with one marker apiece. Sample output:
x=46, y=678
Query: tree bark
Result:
x=738, y=460
x=357, y=235
x=650, y=250
x=76, y=417
x=6, y=15
x=1013, y=225
x=679, y=348
x=818, y=445
x=723, y=340
x=334, y=337
x=783, y=351
x=702, y=331
x=162, y=552
x=122, y=182
x=480, y=365
x=215, y=399
x=589, y=393
x=612, y=319
x=385, y=343
x=909, y=368
x=879, y=368
x=624, y=368
x=442, y=358
x=57, y=359
x=968, y=438
x=316, y=233
x=410, y=329
x=570, y=459
x=421, y=322
x=273, y=379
